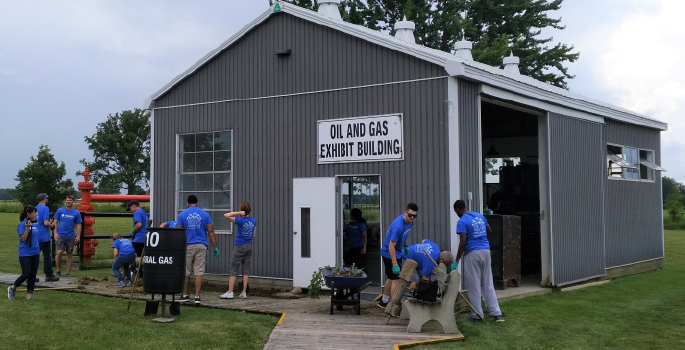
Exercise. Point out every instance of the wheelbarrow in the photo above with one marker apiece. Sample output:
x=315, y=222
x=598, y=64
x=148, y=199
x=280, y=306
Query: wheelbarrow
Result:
x=345, y=290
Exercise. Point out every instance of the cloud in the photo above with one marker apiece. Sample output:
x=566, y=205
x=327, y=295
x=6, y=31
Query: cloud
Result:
x=643, y=64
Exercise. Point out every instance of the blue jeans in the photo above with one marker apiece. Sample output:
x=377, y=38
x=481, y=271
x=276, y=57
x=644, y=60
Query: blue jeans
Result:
x=29, y=268
x=123, y=261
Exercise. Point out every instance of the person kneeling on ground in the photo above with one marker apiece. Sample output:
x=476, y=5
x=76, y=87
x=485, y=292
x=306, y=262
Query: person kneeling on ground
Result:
x=124, y=255
x=242, y=252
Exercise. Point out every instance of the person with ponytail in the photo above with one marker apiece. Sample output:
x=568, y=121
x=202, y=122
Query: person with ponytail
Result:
x=29, y=252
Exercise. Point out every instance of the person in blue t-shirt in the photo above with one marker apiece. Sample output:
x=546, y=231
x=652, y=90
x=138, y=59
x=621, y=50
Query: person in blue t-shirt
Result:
x=66, y=220
x=394, y=245
x=356, y=239
x=198, y=225
x=139, y=230
x=124, y=255
x=424, y=264
x=171, y=224
x=242, y=248
x=473, y=230
x=43, y=225
x=29, y=252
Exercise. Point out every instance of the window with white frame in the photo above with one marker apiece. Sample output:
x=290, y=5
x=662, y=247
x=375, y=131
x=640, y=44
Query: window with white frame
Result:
x=631, y=163
x=204, y=169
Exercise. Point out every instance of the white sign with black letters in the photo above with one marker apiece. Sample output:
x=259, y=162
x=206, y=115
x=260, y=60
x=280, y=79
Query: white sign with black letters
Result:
x=360, y=139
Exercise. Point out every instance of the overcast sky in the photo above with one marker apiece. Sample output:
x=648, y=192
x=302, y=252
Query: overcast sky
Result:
x=64, y=66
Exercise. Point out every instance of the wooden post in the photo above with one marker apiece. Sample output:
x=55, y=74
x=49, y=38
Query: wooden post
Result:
x=394, y=307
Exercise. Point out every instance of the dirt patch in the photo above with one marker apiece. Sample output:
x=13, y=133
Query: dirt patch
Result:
x=86, y=280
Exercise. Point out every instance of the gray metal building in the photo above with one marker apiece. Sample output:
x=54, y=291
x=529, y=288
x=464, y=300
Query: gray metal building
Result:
x=264, y=118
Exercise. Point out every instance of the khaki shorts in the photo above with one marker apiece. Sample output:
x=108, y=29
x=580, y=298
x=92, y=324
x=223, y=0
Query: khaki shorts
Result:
x=241, y=258
x=195, y=259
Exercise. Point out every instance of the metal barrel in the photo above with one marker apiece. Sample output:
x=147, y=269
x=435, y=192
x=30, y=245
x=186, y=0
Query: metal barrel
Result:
x=165, y=260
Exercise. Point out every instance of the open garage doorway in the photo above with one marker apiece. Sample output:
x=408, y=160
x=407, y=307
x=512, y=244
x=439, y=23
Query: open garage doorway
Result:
x=511, y=183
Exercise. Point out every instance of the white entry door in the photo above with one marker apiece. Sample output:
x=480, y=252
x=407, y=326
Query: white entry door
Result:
x=314, y=223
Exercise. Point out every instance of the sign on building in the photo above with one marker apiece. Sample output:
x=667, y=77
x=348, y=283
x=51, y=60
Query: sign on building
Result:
x=360, y=139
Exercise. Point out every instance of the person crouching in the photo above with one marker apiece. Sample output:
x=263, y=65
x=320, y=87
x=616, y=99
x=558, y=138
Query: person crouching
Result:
x=124, y=255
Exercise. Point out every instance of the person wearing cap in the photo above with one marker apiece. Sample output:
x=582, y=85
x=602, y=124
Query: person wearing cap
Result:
x=140, y=221
x=66, y=220
x=198, y=225
x=43, y=225
x=424, y=264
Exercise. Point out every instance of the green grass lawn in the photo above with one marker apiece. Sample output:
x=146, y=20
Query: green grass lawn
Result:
x=62, y=320
x=635, y=312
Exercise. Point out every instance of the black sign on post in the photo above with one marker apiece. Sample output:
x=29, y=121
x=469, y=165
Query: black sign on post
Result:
x=165, y=260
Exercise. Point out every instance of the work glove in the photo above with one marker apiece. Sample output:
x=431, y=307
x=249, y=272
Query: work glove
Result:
x=132, y=234
x=395, y=269
x=216, y=252
x=406, y=251
x=454, y=265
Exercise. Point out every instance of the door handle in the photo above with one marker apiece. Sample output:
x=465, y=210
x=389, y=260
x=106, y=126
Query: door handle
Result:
x=542, y=215
x=295, y=232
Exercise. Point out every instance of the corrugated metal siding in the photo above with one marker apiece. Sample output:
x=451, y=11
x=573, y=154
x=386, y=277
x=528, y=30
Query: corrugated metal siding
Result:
x=470, y=162
x=577, y=156
x=274, y=140
x=634, y=217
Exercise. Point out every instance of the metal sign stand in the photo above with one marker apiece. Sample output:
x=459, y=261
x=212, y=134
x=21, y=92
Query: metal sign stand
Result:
x=164, y=319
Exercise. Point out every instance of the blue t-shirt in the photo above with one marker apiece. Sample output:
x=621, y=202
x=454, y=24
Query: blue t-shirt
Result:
x=424, y=263
x=398, y=233
x=195, y=221
x=246, y=226
x=140, y=216
x=355, y=235
x=124, y=245
x=24, y=249
x=171, y=224
x=67, y=220
x=43, y=231
x=474, y=225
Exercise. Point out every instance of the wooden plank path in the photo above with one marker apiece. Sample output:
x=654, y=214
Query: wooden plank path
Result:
x=304, y=323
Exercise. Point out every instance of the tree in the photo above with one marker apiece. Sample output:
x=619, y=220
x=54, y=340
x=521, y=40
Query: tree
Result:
x=497, y=28
x=669, y=185
x=121, y=149
x=5, y=194
x=43, y=175
x=674, y=205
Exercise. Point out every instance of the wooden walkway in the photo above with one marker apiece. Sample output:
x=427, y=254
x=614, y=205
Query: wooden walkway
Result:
x=304, y=323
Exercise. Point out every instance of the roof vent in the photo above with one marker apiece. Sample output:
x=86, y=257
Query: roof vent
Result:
x=511, y=64
x=463, y=48
x=404, y=30
x=329, y=8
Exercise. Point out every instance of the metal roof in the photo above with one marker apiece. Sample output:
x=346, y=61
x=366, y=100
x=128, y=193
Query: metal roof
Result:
x=454, y=66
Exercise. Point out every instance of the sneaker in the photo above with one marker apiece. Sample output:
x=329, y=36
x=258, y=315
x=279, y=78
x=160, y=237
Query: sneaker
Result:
x=242, y=295
x=227, y=295
x=68, y=274
x=473, y=319
x=381, y=304
x=59, y=274
x=120, y=284
x=51, y=279
x=184, y=299
x=499, y=318
x=10, y=293
x=37, y=279
x=128, y=283
x=197, y=300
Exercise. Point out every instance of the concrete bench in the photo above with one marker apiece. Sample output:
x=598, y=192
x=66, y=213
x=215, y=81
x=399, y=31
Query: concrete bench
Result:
x=441, y=311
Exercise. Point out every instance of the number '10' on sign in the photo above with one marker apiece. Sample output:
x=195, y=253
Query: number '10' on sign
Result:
x=152, y=239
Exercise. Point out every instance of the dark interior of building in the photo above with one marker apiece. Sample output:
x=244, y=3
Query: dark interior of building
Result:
x=511, y=175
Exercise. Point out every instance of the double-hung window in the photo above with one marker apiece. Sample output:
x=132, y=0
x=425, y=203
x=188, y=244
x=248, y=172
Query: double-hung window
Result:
x=205, y=170
x=631, y=163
